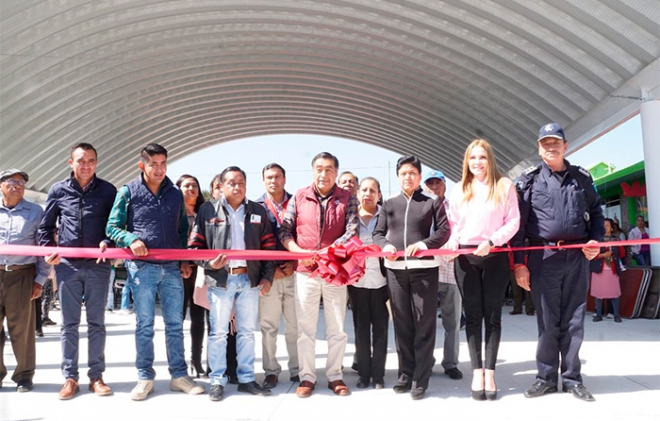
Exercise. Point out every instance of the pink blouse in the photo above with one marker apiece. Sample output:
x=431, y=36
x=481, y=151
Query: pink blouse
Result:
x=479, y=219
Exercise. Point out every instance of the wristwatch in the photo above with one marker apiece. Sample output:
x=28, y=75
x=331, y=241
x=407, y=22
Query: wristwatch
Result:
x=491, y=242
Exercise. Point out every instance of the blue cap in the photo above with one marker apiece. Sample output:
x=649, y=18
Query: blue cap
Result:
x=434, y=174
x=551, y=130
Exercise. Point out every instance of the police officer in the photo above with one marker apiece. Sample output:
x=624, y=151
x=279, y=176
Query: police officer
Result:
x=558, y=206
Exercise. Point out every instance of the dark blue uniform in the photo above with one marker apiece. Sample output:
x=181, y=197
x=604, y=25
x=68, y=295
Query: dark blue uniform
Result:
x=562, y=206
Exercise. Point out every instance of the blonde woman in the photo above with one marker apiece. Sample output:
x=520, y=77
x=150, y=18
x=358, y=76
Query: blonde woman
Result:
x=483, y=213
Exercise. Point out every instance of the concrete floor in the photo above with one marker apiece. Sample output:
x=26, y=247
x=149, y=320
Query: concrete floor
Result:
x=621, y=367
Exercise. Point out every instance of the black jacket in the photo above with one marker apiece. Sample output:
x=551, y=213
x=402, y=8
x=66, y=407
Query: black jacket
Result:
x=212, y=230
x=403, y=222
x=82, y=215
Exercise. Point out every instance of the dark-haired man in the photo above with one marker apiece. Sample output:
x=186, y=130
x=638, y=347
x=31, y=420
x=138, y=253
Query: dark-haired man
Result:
x=280, y=300
x=80, y=206
x=316, y=217
x=149, y=212
x=235, y=223
x=348, y=181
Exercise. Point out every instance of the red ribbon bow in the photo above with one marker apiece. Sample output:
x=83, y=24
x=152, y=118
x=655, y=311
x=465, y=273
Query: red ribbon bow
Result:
x=342, y=264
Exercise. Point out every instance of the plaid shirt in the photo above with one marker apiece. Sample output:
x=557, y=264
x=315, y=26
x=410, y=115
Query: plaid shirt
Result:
x=288, y=229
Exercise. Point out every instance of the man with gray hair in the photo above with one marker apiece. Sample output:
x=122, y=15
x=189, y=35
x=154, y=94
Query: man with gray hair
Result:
x=21, y=277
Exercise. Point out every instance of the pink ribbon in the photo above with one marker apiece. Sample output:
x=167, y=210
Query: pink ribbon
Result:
x=344, y=264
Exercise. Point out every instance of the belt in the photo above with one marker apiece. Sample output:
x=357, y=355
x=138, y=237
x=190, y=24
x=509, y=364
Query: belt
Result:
x=12, y=268
x=237, y=271
x=542, y=242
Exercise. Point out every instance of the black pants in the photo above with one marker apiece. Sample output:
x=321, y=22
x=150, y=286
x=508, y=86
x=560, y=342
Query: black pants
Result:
x=482, y=282
x=370, y=311
x=198, y=316
x=559, y=281
x=414, y=301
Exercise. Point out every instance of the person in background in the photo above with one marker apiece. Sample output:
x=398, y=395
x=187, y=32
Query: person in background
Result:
x=193, y=199
x=483, y=212
x=280, y=300
x=605, y=269
x=641, y=253
x=369, y=296
x=348, y=181
x=451, y=304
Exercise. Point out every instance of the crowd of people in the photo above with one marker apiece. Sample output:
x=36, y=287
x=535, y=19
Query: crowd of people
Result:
x=551, y=204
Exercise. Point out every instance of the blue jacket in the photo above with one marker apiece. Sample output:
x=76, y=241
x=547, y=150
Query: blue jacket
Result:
x=155, y=219
x=80, y=213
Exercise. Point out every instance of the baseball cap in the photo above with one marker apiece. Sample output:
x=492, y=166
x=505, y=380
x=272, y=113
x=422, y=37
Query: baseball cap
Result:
x=8, y=173
x=551, y=130
x=434, y=174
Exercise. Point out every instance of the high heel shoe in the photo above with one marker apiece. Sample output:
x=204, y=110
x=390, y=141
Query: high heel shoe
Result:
x=478, y=395
x=491, y=395
x=196, y=365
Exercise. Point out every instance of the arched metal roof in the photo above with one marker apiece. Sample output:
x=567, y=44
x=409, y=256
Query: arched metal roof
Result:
x=420, y=76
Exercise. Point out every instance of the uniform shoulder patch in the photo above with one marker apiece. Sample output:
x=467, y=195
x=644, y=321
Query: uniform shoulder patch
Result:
x=532, y=169
x=584, y=172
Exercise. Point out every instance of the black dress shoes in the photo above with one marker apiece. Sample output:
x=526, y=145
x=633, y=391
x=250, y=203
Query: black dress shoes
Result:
x=417, y=393
x=232, y=379
x=579, y=391
x=295, y=379
x=24, y=386
x=539, y=389
x=253, y=388
x=270, y=381
x=454, y=373
x=363, y=382
x=215, y=394
x=402, y=386
x=379, y=383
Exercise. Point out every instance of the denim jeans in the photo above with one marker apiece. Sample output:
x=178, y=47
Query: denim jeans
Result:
x=110, y=305
x=246, y=301
x=78, y=278
x=146, y=280
x=126, y=297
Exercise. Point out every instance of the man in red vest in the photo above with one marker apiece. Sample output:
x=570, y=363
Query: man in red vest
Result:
x=316, y=217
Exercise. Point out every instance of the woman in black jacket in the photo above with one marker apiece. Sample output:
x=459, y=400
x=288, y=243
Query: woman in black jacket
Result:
x=405, y=224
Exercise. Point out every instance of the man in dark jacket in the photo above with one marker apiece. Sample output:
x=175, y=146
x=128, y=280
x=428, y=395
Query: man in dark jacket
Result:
x=280, y=300
x=234, y=223
x=149, y=213
x=404, y=224
x=80, y=206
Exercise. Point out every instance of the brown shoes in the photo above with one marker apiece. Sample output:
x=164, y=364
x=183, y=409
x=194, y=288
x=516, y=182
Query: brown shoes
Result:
x=339, y=388
x=305, y=389
x=99, y=387
x=69, y=389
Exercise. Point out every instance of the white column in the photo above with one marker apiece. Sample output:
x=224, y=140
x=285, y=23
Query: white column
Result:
x=650, y=116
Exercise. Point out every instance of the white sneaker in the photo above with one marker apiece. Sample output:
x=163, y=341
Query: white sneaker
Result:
x=186, y=385
x=143, y=388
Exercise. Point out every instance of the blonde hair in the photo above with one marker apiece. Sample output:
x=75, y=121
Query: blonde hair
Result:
x=493, y=175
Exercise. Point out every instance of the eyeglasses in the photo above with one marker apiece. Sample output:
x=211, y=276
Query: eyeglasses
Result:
x=15, y=182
